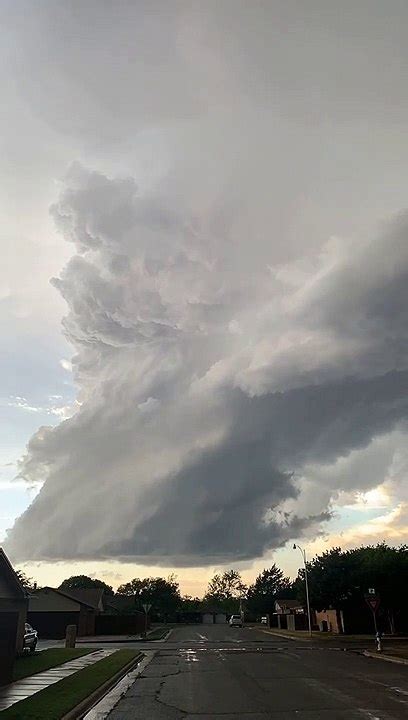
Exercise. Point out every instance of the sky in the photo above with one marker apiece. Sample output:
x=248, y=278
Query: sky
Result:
x=203, y=293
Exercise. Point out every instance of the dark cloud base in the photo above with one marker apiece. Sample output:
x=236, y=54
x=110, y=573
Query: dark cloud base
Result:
x=213, y=510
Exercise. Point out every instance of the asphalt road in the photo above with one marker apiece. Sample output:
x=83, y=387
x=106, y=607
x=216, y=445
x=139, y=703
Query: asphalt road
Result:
x=224, y=673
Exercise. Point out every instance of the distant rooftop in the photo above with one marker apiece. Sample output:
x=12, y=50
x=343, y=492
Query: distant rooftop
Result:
x=88, y=596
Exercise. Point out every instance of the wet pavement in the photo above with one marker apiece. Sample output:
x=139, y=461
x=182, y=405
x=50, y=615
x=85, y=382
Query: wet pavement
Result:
x=22, y=689
x=221, y=673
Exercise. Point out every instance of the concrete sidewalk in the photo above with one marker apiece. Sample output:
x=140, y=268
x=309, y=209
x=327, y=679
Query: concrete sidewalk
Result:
x=99, y=639
x=24, y=688
x=329, y=637
x=356, y=643
x=385, y=656
x=323, y=637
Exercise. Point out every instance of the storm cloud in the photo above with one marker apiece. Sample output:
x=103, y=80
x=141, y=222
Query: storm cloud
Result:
x=201, y=396
x=237, y=292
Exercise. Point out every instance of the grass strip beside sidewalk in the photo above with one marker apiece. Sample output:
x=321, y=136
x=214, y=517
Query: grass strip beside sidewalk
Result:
x=27, y=665
x=58, y=699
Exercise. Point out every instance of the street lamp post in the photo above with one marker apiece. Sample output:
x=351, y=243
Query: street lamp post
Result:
x=307, y=587
x=241, y=610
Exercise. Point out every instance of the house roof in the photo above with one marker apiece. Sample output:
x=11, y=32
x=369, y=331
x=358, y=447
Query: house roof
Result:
x=10, y=574
x=47, y=589
x=88, y=596
x=119, y=603
x=49, y=600
x=289, y=604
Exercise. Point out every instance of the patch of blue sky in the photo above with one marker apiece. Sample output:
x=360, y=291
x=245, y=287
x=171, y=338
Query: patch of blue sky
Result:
x=349, y=517
x=32, y=384
x=32, y=369
x=14, y=499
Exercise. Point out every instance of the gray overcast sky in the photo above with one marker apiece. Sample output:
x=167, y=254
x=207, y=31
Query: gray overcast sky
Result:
x=228, y=246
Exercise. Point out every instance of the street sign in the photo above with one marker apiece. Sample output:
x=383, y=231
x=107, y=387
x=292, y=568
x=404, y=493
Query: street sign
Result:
x=146, y=607
x=373, y=602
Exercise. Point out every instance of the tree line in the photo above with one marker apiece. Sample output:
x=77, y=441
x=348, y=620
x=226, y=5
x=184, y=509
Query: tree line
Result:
x=337, y=579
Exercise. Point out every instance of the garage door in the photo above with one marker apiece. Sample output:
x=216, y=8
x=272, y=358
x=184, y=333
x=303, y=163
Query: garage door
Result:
x=208, y=619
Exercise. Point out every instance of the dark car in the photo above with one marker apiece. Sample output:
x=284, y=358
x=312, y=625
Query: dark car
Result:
x=30, y=638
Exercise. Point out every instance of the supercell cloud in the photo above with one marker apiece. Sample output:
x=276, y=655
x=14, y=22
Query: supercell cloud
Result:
x=204, y=391
x=238, y=288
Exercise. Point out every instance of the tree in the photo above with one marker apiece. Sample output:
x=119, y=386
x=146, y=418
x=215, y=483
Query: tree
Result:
x=331, y=580
x=132, y=588
x=226, y=590
x=340, y=579
x=270, y=585
x=226, y=586
x=28, y=583
x=189, y=604
x=83, y=582
x=162, y=594
x=189, y=608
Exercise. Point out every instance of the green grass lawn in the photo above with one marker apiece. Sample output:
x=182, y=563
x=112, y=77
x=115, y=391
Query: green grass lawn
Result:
x=55, y=701
x=46, y=659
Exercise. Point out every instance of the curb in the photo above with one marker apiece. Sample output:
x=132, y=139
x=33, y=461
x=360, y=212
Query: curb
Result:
x=111, y=699
x=120, y=641
x=107, y=642
x=165, y=637
x=84, y=706
x=287, y=637
x=387, y=658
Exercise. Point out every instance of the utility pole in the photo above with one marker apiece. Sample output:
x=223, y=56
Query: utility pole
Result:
x=241, y=610
x=307, y=587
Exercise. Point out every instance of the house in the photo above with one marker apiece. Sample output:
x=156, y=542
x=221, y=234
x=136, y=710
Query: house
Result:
x=330, y=620
x=112, y=615
x=118, y=604
x=13, y=606
x=289, y=615
x=217, y=618
x=51, y=610
x=95, y=597
x=288, y=607
x=357, y=618
x=120, y=616
x=213, y=616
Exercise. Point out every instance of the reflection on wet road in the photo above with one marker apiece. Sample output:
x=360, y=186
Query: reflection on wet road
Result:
x=224, y=673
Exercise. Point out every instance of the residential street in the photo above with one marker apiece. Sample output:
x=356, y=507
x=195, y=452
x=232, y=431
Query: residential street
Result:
x=224, y=673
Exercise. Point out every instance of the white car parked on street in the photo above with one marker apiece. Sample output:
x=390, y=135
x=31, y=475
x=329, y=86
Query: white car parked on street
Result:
x=235, y=621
